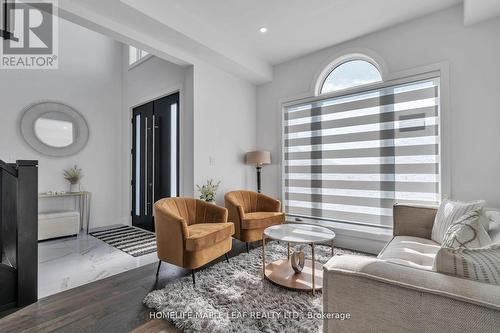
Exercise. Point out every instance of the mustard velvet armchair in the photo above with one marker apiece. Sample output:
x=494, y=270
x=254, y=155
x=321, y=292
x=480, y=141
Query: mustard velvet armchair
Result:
x=190, y=233
x=251, y=213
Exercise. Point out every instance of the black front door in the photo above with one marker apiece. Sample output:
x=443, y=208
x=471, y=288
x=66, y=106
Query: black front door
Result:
x=155, y=157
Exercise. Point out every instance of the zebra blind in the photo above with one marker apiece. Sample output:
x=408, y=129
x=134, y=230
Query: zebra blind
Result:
x=350, y=158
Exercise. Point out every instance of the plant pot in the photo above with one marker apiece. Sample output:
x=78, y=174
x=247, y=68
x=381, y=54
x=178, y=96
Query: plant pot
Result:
x=211, y=202
x=74, y=187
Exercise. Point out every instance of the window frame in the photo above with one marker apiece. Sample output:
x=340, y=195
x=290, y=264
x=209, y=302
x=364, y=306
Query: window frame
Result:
x=327, y=69
x=344, y=61
x=440, y=70
x=139, y=60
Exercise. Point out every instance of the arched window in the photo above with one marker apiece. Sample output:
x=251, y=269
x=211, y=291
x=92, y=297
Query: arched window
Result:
x=350, y=74
x=350, y=155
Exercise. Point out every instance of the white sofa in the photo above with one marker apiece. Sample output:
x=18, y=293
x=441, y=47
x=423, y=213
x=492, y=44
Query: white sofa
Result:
x=399, y=292
x=58, y=224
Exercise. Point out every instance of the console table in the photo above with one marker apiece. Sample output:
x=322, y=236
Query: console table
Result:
x=82, y=199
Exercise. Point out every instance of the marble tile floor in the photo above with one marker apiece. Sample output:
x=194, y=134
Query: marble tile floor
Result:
x=71, y=262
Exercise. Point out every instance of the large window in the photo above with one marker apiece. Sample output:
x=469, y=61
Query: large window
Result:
x=351, y=157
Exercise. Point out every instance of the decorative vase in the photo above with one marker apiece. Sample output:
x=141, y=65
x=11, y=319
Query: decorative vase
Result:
x=74, y=187
x=297, y=261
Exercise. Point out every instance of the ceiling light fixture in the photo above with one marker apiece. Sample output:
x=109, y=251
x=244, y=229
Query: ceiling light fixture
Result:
x=263, y=30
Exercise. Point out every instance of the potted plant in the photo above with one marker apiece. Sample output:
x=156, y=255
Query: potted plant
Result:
x=208, y=191
x=73, y=176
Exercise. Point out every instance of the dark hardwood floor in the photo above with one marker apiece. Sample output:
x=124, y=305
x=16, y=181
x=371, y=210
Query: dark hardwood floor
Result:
x=110, y=305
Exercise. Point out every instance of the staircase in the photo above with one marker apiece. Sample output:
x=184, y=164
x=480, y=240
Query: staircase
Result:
x=8, y=286
x=18, y=234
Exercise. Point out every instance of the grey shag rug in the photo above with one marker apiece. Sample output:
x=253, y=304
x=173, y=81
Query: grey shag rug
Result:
x=233, y=297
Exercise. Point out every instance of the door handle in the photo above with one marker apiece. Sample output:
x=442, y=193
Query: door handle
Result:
x=154, y=157
x=146, y=168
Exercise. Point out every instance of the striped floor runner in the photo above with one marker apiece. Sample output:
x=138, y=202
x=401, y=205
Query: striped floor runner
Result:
x=133, y=241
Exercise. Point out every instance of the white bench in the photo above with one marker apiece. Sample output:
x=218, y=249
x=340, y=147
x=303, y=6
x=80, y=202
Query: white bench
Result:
x=58, y=224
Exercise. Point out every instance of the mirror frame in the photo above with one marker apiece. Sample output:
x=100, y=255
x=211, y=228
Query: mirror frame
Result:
x=35, y=111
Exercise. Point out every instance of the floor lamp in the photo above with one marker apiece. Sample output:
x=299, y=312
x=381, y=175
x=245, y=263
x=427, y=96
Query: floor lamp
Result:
x=258, y=158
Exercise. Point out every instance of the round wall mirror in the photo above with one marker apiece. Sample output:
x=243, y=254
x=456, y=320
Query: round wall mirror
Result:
x=54, y=129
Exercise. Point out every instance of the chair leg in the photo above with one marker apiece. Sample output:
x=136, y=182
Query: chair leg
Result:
x=227, y=258
x=158, y=270
x=248, y=248
x=194, y=279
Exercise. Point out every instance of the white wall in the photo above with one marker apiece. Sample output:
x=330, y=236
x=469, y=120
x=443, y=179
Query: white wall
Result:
x=224, y=129
x=150, y=80
x=218, y=117
x=88, y=79
x=473, y=54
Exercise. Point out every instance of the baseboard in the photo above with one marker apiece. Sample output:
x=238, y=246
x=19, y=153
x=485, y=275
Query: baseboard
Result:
x=102, y=224
x=56, y=238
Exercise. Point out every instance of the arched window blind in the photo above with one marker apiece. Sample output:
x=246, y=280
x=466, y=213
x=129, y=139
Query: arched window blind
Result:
x=350, y=158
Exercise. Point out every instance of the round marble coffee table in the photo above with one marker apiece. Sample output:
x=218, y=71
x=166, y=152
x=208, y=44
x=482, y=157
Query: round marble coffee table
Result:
x=281, y=271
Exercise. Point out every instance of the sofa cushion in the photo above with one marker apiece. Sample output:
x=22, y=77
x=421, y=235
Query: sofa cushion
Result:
x=449, y=211
x=411, y=251
x=203, y=235
x=466, y=232
x=259, y=220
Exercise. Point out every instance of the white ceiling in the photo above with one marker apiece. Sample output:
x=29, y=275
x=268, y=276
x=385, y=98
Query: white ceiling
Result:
x=225, y=32
x=296, y=27
x=480, y=10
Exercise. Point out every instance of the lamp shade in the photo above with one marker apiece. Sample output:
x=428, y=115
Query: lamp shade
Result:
x=258, y=157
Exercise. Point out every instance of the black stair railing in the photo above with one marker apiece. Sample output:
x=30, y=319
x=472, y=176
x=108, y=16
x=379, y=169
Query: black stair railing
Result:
x=18, y=233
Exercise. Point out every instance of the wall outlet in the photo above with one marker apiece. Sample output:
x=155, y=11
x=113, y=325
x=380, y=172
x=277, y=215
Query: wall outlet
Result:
x=211, y=161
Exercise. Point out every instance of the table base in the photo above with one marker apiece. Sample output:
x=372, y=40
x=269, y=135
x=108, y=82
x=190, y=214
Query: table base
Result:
x=281, y=272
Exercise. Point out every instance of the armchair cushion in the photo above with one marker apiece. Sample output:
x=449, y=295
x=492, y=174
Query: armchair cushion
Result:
x=251, y=213
x=204, y=235
x=182, y=241
x=258, y=220
x=267, y=204
x=411, y=251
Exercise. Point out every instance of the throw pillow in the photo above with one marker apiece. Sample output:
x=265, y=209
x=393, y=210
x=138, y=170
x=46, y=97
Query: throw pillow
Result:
x=466, y=232
x=448, y=212
x=476, y=264
x=484, y=220
x=493, y=219
x=494, y=229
